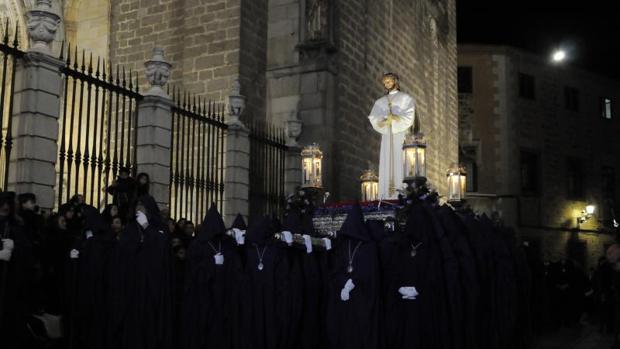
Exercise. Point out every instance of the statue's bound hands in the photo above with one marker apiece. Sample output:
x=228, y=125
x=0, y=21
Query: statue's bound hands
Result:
x=389, y=120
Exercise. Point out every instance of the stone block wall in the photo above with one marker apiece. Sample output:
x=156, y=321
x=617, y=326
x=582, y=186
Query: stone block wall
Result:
x=210, y=43
x=415, y=39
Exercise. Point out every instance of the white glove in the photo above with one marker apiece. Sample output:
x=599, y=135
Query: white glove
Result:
x=5, y=255
x=239, y=236
x=89, y=234
x=8, y=244
x=74, y=254
x=142, y=220
x=308, y=243
x=288, y=237
x=408, y=292
x=348, y=287
x=328, y=244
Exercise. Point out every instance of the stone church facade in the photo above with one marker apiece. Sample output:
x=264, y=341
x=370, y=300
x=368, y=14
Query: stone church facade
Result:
x=314, y=63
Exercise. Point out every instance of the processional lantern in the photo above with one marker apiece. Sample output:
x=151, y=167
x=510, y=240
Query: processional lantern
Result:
x=414, y=156
x=370, y=186
x=456, y=183
x=311, y=157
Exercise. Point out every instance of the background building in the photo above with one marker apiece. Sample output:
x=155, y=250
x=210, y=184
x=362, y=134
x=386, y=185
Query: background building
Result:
x=538, y=140
x=314, y=61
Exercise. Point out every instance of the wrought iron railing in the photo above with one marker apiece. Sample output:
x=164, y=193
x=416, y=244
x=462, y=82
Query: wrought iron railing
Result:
x=9, y=54
x=196, y=156
x=267, y=155
x=97, y=127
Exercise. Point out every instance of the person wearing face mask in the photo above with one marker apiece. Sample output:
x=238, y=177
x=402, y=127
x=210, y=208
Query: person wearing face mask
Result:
x=140, y=301
x=16, y=268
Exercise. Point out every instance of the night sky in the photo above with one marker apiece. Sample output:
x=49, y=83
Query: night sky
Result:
x=588, y=30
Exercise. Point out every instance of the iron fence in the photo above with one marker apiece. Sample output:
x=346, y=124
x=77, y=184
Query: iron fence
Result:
x=9, y=54
x=97, y=127
x=267, y=154
x=196, y=156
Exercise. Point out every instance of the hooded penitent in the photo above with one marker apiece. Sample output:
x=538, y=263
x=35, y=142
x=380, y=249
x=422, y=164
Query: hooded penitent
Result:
x=354, y=323
x=413, y=259
x=267, y=273
x=468, y=277
x=140, y=288
x=90, y=285
x=210, y=310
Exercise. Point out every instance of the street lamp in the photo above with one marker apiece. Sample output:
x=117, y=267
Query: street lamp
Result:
x=558, y=56
x=586, y=214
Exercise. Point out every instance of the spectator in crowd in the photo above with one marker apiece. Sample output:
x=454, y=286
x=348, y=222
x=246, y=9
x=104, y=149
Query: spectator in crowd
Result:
x=143, y=184
x=123, y=190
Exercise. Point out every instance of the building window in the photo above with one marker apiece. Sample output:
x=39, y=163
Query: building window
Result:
x=527, y=86
x=571, y=98
x=468, y=156
x=529, y=172
x=465, y=80
x=472, y=176
x=606, y=108
x=574, y=177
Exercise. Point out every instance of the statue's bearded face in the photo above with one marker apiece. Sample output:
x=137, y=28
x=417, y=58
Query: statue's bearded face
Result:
x=389, y=83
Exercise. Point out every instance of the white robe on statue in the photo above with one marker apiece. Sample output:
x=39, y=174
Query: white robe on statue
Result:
x=391, y=158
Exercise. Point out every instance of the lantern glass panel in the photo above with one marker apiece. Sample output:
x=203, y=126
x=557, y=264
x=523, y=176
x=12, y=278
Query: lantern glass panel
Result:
x=463, y=186
x=421, y=163
x=307, y=170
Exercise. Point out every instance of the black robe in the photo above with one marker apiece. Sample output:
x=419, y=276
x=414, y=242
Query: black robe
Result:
x=140, y=289
x=423, y=322
x=15, y=275
x=479, y=237
x=468, y=276
x=315, y=269
x=209, y=318
x=89, y=318
x=264, y=303
x=505, y=304
x=354, y=323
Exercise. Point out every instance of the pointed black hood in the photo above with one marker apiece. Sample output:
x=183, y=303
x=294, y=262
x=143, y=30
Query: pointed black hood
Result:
x=212, y=225
x=354, y=227
x=307, y=226
x=261, y=231
x=376, y=228
x=239, y=223
x=419, y=226
x=292, y=223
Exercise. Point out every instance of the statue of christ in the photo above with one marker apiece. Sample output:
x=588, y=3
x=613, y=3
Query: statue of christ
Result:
x=392, y=115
